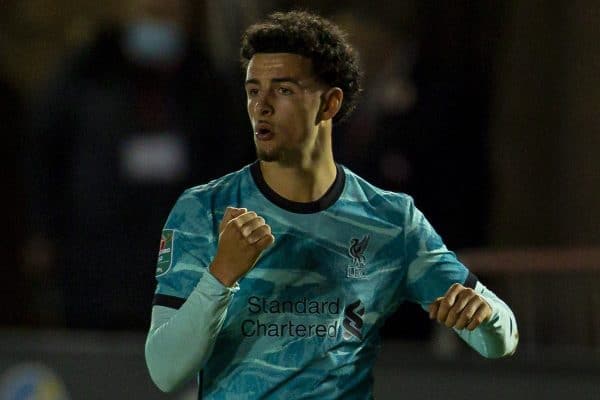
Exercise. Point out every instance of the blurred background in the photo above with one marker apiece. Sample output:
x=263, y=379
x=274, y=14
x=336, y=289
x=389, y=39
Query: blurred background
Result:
x=486, y=112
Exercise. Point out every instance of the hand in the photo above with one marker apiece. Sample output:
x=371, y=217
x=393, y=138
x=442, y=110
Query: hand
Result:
x=243, y=236
x=460, y=307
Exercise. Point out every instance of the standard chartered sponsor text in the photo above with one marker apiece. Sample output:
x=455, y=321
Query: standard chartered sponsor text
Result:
x=299, y=323
x=253, y=327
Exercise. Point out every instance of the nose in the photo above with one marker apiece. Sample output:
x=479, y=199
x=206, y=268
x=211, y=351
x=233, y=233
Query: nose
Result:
x=263, y=106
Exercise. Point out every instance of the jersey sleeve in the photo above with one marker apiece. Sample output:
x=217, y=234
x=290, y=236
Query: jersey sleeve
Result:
x=190, y=305
x=187, y=245
x=431, y=267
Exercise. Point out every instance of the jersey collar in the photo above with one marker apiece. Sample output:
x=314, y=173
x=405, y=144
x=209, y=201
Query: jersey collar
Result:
x=333, y=193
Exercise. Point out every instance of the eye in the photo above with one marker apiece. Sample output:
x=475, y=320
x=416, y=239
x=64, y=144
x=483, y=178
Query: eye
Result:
x=284, y=91
x=251, y=92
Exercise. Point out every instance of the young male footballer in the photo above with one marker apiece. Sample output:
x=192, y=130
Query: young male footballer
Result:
x=274, y=281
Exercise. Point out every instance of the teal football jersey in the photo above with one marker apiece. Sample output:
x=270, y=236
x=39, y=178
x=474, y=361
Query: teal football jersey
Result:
x=305, y=320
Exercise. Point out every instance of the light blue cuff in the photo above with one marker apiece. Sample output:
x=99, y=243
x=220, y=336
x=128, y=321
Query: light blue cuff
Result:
x=497, y=337
x=212, y=286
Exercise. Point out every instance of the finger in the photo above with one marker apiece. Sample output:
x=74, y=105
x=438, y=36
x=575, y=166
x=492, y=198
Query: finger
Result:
x=480, y=315
x=251, y=225
x=434, y=307
x=265, y=242
x=453, y=291
x=240, y=220
x=448, y=301
x=233, y=212
x=468, y=312
x=459, y=304
x=258, y=234
x=230, y=213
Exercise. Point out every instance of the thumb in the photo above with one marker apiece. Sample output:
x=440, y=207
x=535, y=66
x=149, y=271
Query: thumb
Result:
x=230, y=213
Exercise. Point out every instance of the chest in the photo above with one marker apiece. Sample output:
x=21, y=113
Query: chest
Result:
x=318, y=267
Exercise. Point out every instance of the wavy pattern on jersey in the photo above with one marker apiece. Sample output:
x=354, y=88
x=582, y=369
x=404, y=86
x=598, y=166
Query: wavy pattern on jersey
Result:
x=405, y=260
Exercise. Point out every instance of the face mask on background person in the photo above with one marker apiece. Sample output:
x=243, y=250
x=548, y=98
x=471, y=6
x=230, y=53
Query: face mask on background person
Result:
x=154, y=42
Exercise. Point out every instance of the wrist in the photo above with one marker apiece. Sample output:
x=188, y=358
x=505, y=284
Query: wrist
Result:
x=222, y=275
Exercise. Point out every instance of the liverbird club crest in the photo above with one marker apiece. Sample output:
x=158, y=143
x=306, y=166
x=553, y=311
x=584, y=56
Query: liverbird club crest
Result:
x=357, y=250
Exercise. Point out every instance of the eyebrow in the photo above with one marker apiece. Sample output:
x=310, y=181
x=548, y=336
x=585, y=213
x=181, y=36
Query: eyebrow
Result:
x=276, y=80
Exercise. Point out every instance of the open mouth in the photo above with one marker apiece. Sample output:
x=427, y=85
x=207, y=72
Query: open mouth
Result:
x=264, y=133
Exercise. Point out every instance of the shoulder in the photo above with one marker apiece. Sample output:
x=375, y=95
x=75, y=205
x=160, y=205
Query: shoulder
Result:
x=197, y=204
x=359, y=189
x=217, y=187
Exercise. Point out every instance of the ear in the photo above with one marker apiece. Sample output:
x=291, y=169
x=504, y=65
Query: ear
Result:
x=331, y=102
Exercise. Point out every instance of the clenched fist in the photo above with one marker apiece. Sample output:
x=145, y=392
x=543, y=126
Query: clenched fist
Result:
x=460, y=308
x=243, y=236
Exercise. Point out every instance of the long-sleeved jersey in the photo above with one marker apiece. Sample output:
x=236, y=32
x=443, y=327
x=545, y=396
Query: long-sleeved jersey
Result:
x=304, y=322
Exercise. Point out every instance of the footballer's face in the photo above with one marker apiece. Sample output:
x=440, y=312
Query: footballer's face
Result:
x=284, y=99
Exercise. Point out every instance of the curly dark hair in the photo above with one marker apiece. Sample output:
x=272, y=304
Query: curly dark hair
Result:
x=334, y=60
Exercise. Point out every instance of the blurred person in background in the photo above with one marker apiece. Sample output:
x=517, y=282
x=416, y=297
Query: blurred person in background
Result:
x=130, y=120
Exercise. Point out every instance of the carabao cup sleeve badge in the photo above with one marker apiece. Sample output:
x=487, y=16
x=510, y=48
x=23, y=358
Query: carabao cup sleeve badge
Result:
x=165, y=252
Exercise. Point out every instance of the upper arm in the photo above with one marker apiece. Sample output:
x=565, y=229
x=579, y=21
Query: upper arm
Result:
x=431, y=267
x=187, y=246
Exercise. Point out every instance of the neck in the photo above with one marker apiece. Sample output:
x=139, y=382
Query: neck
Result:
x=305, y=182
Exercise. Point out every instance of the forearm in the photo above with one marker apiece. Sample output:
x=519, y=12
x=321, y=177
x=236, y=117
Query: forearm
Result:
x=180, y=341
x=497, y=337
